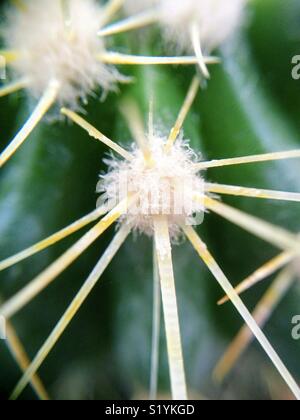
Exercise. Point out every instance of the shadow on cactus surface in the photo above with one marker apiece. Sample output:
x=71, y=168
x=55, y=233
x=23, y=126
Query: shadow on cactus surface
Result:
x=249, y=106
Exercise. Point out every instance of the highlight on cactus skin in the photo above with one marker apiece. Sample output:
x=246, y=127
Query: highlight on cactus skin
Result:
x=158, y=185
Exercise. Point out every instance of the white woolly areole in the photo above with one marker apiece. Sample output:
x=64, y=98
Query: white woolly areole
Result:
x=167, y=187
x=216, y=19
x=48, y=51
x=296, y=266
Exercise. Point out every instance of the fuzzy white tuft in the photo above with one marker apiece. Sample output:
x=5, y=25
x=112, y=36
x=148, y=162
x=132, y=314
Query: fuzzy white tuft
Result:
x=48, y=51
x=216, y=19
x=167, y=187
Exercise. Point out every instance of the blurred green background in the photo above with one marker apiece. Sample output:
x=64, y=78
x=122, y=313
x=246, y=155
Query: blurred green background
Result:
x=251, y=105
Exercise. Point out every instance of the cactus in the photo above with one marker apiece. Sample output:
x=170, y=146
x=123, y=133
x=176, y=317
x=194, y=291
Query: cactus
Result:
x=225, y=130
